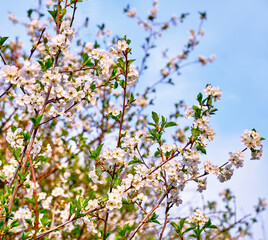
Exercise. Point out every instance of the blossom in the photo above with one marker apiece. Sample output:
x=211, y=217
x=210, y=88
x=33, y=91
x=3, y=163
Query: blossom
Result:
x=9, y=74
x=237, y=158
x=198, y=217
x=168, y=147
x=214, y=92
x=133, y=75
x=251, y=139
x=57, y=191
x=131, y=12
x=121, y=45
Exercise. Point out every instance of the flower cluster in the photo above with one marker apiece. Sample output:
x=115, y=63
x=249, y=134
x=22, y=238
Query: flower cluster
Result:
x=237, y=159
x=198, y=217
x=215, y=92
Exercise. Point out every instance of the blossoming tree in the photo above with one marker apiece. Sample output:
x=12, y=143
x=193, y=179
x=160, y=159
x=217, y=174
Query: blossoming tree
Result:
x=81, y=159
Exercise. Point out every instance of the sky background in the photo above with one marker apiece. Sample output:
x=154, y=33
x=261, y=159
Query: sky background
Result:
x=237, y=32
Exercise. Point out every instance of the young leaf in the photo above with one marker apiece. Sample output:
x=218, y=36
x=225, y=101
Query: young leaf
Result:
x=170, y=124
x=155, y=117
x=2, y=40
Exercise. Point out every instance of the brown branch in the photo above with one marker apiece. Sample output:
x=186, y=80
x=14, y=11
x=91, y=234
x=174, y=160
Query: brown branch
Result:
x=168, y=207
x=119, y=138
x=69, y=108
x=58, y=18
x=6, y=121
x=232, y=225
x=69, y=221
x=22, y=156
x=47, y=174
x=163, y=163
x=77, y=70
x=35, y=196
x=144, y=220
x=102, y=85
x=10, y=86
x=32, y=51
x=72, y=20
x=124, y=102
x=4, y=61
x=38, y=42
x=142, y=157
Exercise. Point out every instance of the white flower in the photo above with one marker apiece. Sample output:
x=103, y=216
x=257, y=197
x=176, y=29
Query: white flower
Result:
x=251, y=139
x=189, y=113
x=9, y=74
x=153, y=11
x=168, y=147
x=237, y=158
x=121, y=45
x=198, y=217
x=214, y=92
x=116, y=112
x=133, y=75
x=131, y=12
x=57, y=191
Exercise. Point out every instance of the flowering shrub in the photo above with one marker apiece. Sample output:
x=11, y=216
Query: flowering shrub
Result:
x=81, y=159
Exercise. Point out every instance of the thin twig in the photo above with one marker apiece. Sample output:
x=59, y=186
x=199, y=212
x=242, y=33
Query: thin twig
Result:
x=38, y=42
x=4, y=61
x=10, y=86
x=72, y=20
x=144, y=220
x=69, y=221
x=35, y=196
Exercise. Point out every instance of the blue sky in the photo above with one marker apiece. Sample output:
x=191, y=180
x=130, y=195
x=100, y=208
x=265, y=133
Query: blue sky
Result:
x=237, y=32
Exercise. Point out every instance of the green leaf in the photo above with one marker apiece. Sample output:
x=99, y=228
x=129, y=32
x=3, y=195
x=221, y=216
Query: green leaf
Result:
x=16, y=153
x=37, y=120
x=131, y=100
x=25, y=235
x=41, y=65
x=201, y=149
x=195, y=132
x=49, y=63
x=13, y=128
x=155, y=117
x=203, y=15
x=199, y=98
x=170, y=124
x=30, y=200
x=45, y=220
x=98, y=150
x=153, y=218
x=54, y=14
x=26, y=136
x=182, y=221
x=28, y=221
x=213, y=226
x=163, y=122
x=176, y=227
x=107, y=235
x=101, y=27
x=29, y=13
x=63, y=12
x=2, y=40
x=157, y=153
x=115, y=85
x=14, y=224
x=135, y=160
x=131, y=61
x=188, y=229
